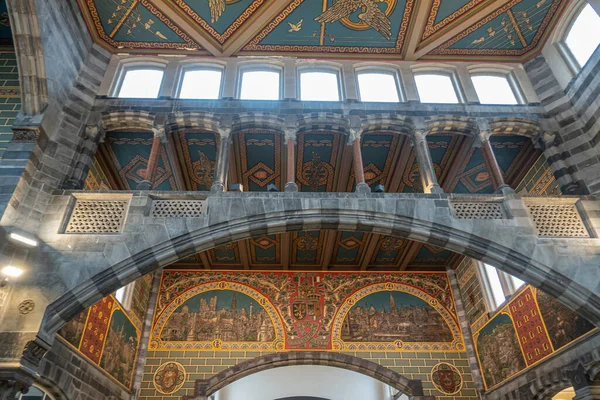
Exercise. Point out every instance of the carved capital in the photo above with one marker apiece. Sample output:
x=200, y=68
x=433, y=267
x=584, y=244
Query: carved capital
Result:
x=355, y=134
x=159, y=132
x=34, y=352
x=419, y=135
x=290, y=133
x=25, y=135
x=95, y=132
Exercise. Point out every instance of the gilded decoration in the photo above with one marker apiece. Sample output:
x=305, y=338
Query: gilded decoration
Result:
x=529, y=329
x=169, y=377
x=270, y=311
x=446, y=378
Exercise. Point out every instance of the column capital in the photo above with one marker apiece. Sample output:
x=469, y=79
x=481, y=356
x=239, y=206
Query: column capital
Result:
x=481, y=137
x=419, y=135
x=355, y=133
x=160, y=132
x=290, y=133
x=95, y=132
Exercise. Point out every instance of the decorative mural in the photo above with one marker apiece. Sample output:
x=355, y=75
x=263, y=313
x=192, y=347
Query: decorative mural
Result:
x=169, y=377
x=446, y=378
x=324, y=28
x=108, y=337
x=316, y=161
x=260, y=159
x=197, y=153
x=272, y=311
x=531, y=327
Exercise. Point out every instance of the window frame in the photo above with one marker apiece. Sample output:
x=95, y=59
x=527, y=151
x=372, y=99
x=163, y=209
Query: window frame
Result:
x=128, y=66
x=384, y=71
x=501, y=73
x=242, y=69
x=47, y=396
x=564, y=30
x=324, y=68
x=450, y=73
x=199, y=67
x=509, y=287
x=127, y=295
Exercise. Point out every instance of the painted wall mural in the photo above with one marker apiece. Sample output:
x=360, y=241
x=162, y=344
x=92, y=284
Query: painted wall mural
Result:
x=272, y=311
x=107, y=336
x=527, y=330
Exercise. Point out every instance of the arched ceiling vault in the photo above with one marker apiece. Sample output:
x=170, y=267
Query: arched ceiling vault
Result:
x=500, y=30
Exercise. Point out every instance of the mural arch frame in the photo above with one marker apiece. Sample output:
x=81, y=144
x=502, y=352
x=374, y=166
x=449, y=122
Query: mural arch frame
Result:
x=342, y=313
x=221, y=285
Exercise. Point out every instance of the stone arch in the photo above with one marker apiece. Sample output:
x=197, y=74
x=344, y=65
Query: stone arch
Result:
x=323, y=122
x=449, y=124
x=387, y=123
x=246, y=121
x=128, y=120
x=208, y=387
x=180, y=121
x=515, y=126
x=30, y=56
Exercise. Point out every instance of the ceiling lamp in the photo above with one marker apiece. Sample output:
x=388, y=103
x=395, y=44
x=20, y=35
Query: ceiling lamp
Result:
x=15, y=237
x=12, y=272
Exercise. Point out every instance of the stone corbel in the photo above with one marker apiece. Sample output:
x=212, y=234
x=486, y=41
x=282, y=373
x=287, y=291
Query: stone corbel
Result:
x=25, y=135
x=482, y=133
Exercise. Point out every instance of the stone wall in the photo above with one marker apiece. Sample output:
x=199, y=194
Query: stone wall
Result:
x=10, y=100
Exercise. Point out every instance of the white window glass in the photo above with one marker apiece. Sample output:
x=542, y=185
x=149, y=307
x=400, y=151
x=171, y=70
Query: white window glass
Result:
x=34, y=394
x=436, y=89
x=378, y=87
x=517, y=282
x=319, y=86
x=201, y=84
x=584, y=36
x=120, y=294
x=493, y=89
x=497, y=294
x=260, y=85
x=141, y=83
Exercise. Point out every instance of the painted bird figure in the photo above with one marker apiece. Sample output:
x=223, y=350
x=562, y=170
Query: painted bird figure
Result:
x=371, y=14
x=217, y=7
x=295, y=27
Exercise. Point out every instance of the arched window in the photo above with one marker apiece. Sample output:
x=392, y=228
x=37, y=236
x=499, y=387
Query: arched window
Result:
x=494, y=89
x=260, y=84
x=378, y=86
x=497, y=286
x=124, y=295
x=201, y=83
x=141, y=83
x=583, y=37
x=34, y=393
x=436, y=88
x=319, y=86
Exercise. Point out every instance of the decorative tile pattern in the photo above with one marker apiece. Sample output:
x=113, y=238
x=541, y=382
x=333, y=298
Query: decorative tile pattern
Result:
x=97, y=216
x=178, y=208
x=473, y=210
x=557, y=220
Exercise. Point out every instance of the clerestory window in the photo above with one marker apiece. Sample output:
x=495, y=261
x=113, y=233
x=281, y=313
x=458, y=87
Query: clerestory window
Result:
x=583, y=36
x=494, y=89
x=378, y=87
x=497, y=286
x=319, y=86
x=260, y=85
x=141, y=83
x=436, y=88
x=202, y=83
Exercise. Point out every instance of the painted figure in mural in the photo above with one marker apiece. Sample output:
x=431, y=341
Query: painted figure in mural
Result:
x=390, y=316
x=499, y=350
x=371, y=14
x=225, y=315
x=120, y=351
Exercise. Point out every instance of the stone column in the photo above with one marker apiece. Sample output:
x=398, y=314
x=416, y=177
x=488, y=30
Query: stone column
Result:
x=222, y=165
x=290, y=140
x=153, y=160
x=426, y=170
x=94, y=135
x=357, y=162
x=496, y=175
x=465, y=327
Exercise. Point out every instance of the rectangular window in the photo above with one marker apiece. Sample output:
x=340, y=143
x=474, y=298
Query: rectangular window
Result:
x=141, y=83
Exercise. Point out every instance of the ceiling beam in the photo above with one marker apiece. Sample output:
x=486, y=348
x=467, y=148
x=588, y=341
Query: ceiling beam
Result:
x=285, y=250
x=252, y=28
x=243, y=249
x=205, y=260
x=328, y=247
x=457, y=29
x=176, y=166
x=188, y=27
x=409, y=255
x=401, y=165
x=457, y=165
x=345, y=169
x=371, y=247
x=416, y=31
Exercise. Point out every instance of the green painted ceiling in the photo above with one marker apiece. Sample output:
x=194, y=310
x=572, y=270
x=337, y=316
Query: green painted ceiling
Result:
x=506, y=29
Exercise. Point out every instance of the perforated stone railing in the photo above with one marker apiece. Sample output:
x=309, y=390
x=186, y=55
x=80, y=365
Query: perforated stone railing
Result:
x=178, y=208
x=560, y=219
x=97, y=216
x=478, y=210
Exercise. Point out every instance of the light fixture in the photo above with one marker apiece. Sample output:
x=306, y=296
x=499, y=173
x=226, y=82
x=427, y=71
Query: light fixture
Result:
x=11, y=271
x=22, y=239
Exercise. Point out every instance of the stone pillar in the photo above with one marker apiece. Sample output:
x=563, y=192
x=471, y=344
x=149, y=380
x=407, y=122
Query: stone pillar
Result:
x=585, y=388
x=426, y=170
x=465, y=327
x=357, y=162
x=496, y=174
x=290, y=140
x=94, y=135
x=222, y=165
x=153, y=160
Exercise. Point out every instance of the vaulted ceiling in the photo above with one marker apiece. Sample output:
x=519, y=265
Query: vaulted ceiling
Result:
x=394, y=29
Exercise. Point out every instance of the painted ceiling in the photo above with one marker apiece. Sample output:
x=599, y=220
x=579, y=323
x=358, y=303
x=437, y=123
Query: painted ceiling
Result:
x=400, y=29
x=323, y=164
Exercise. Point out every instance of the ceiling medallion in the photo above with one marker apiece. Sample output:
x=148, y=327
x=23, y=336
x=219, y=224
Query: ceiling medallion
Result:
x=392, y=244
x=446, y=378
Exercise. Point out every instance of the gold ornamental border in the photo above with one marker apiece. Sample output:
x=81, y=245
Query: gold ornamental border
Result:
x=349, y=302
x=278, y=344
